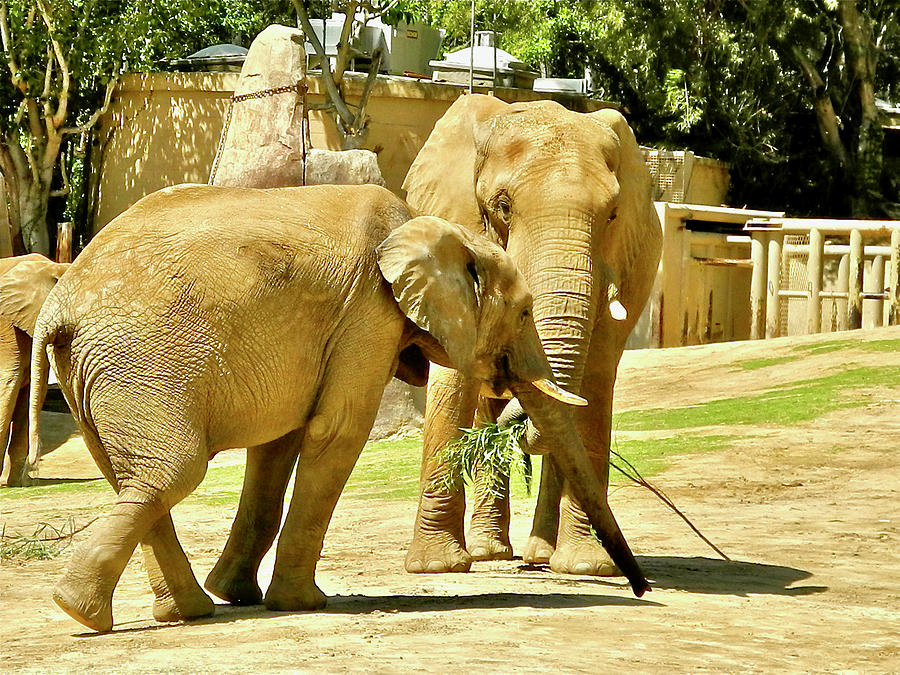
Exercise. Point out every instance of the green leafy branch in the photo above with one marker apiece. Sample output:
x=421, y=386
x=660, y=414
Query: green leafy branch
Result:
x=491, y=450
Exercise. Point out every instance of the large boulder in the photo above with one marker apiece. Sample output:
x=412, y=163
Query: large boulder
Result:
x=262, y=144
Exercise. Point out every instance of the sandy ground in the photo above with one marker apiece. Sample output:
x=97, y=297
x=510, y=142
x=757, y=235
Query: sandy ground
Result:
x=808, y=514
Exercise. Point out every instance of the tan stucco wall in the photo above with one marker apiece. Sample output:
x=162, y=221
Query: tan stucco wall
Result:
x=163, y=129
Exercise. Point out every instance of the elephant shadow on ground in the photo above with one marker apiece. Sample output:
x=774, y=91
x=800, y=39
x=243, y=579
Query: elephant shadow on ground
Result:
x=725, y=577
x=370, y=604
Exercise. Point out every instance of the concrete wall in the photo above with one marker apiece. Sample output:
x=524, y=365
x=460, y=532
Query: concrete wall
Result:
x=163, y=129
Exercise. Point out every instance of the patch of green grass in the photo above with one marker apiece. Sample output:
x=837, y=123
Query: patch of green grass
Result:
x=827, y=346
x=797, y=402
x=42, y=491
x=650, y=455
x=881, y=346
x=387, y=470
x=757, y=364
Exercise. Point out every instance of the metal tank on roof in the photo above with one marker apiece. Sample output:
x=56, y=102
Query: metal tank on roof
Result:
x=489, y=65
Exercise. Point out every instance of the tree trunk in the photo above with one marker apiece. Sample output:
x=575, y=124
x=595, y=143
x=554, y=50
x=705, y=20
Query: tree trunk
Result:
x=862, y=59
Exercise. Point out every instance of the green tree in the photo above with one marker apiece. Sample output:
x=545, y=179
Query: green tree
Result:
x=784, y=91
x=62, y=59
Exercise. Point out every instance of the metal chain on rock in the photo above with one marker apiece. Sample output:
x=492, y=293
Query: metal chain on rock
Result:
x=300, y=88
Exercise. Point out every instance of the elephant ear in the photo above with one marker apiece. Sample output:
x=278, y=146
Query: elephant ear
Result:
x=24, y=288
x=441, y=180
x=434, y=279
x=635, y=209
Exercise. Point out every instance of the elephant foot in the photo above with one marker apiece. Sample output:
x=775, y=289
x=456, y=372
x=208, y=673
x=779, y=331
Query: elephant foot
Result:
x=537, y=551
x=489, y=547
x=282, y=597
x=583, y=557
x=90, y=609
x=436, y=553
x=234, y=583
x=186, y=606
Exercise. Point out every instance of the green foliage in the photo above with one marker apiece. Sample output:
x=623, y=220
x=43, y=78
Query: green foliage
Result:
x=720, y=78
x=491, y=449
x=46, y=542
x=800, y=402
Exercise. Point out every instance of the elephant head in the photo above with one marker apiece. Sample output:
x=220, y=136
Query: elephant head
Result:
x=567, y=195
x=471, y=304
x=25, y=282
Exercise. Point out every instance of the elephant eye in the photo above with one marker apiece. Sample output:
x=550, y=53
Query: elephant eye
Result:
x=526, y=313
x=503, y=205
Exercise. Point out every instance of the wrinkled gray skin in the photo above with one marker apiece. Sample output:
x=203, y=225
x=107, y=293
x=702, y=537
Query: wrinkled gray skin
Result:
x=568, y=196
x=25, y=282
x=206, y=318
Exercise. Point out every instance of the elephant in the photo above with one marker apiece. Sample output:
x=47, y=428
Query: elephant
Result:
x=207, y=317
x=568, y=196
x=25, y=282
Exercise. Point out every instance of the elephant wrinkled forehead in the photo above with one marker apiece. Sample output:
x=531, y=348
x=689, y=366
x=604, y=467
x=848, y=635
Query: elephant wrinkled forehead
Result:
x=546, y=129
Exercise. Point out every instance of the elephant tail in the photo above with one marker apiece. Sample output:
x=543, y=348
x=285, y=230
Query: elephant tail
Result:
x=45, y=333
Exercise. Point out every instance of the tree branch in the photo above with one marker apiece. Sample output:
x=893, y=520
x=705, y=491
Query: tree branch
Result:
x=334, y=95
x=59, y=117
x=343, y=52
x=97, y=114
x=825, y=115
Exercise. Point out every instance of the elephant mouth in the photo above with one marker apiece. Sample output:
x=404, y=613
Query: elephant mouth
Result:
x=496, y=390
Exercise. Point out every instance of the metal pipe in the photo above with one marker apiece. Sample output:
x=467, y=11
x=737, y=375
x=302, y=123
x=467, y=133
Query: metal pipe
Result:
x=835, y=250
x=472, y=48
x=827, y=226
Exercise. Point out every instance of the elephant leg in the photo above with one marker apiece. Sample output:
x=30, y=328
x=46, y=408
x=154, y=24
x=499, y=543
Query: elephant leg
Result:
x=438, y=543
x=12, y=376
x=17, y=449
x=488, y=537
x=335, y=435
x=257, y=521
x=178, y=595
x=545, y=526
x=578, y=551
x=146, y=492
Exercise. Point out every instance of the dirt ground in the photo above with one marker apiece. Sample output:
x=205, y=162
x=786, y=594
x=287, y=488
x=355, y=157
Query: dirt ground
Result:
x=809, y=515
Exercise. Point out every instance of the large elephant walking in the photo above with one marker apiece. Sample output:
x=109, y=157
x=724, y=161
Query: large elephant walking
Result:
x=568, y=196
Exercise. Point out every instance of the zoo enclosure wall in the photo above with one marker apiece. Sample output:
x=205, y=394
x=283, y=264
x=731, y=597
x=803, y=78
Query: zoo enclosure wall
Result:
x=164, y=128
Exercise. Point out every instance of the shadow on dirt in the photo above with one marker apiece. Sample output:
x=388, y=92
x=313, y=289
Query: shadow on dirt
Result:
x=724, y=577
x=390, y=604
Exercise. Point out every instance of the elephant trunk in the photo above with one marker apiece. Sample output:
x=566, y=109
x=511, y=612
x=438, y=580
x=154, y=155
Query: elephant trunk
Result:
x=556, y=260
x=555, y=421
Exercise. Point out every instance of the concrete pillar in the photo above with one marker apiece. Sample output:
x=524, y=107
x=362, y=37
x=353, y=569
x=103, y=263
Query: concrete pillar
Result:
x=814, y=281
x=758, y=285
x=894, y=281
x=773, y=286
x=876, y=285
x=855, y=281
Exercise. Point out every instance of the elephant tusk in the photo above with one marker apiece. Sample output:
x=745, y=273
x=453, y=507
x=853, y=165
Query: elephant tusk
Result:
x=616, y=308
x=488, y=392
x=553, y=390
